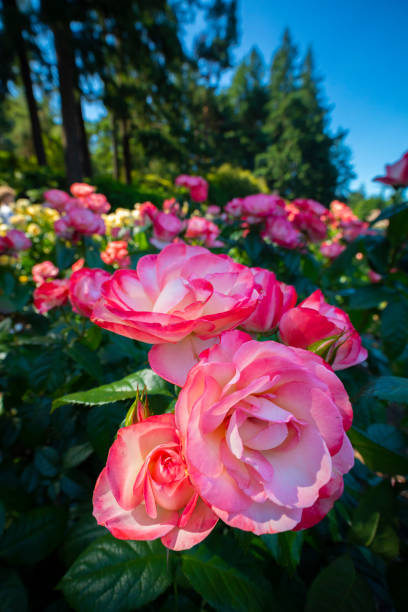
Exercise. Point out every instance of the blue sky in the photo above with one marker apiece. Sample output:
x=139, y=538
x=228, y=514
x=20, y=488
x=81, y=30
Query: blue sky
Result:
x=360, y=50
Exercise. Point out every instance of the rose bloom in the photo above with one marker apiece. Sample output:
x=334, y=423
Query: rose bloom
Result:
x=204, y=230
x=147, y=212
x=263, y=432
x=342, y=212
x=276, y=298
x=81, y=190
x=197, y=185
x=235, y=207
x=165, y=228
x=331, y=249
x=171, y=206
x=144, y=491
x=213, y=211
x=85, y=289
x=15, y=240
x=96, y=202
x=78, y=265
x=51, y=294
x=43, y=271
x=318, y=326
x=178, y=300
x=55, y=198
x=396, y=174
x=309, y=223
x=310, y=206
x=281, y=231
x=79, y=222
x=256, y=207
x=116, y=252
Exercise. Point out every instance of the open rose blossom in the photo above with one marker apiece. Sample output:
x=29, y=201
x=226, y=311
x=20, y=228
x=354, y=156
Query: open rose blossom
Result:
x=396, y=174
x=85, y=289
x=331, y=249
x=81, y=190
x=43, y=271
x=204, y=230
x=255, y=208
x=116, y=252
x=15, y=241
x=178, y=300
x=79, y=222
x=96, y=202
x=166, y=227
x=281, y=231
x=197, y=185
x=276, y=298
x=144, y=491
x=51, y=294
x=55, y=198
x=263, y=431
x=318, y=326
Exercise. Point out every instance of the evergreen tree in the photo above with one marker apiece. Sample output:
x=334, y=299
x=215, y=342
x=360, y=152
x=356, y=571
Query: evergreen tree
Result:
x=302, y=158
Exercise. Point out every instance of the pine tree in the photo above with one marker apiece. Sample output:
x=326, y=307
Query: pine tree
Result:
x=302, y=159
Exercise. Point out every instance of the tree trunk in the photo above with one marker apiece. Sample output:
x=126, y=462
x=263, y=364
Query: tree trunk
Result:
x=86, y=158
x=14, y=25
x=115, y=147
x=127, y=160
x=69, y=103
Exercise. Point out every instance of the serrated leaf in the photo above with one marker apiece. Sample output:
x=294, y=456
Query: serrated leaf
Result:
x=338, y=588
x=13, y=596
x=390, y=388
x=46, y=461
x=394, y=327
x=76, y=455
x=87, y=360
x=116, y=576
x=33, y=535
x=85, y=531
x=376, y=457
x=102, y=424
x=122, y=389
x=222, y=585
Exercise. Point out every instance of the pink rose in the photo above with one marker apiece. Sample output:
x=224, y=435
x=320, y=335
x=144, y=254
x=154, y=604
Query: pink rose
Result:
x=116, y=252
x=235, y=207
x=331, y=249
x=15, y=240
x=178, y=300
x=85, y=289
x=50, y=294
x=309, y=223
x=147, y=212
x=171, y=206
x=55, y=198
x=204, y=230
x=96, y=202
x=354, y=228
x=342, y=212
x=281, y=231
x=78, y=265
x=144, y=491
x=263, y=433
x=43, y=271
x=62, y=228
x=197, y=185
x=86, y=222
x=396, y=174
x=165, y=228
x=310, y=206
x=81, y=190
x=276, y=298
x=318, y=326
x=256, y=207
x=213, y=210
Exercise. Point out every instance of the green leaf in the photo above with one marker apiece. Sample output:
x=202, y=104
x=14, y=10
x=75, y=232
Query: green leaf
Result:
x=2, y=517
x=76, y=455
x=116, y=576
x=363, y=298
x=286, y=547
x=394, y=327
x=222, y=585
x=338, y=588
x=85, y=531
x=375, y=504
x=46, y=460
x=13, y=595
x=390, y=388
x=33, y=535
x=390, y=211
x=102, y=425
x=122, y=389
x=376, y=457
x=87, y=360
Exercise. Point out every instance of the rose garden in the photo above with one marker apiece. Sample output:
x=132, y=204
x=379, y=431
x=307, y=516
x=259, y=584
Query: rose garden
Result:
x=203, y=320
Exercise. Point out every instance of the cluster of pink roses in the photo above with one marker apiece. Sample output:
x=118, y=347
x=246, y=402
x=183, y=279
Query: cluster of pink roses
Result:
x=258, y=437
x=197, y=186
x=13, y=242
x=81, y=211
